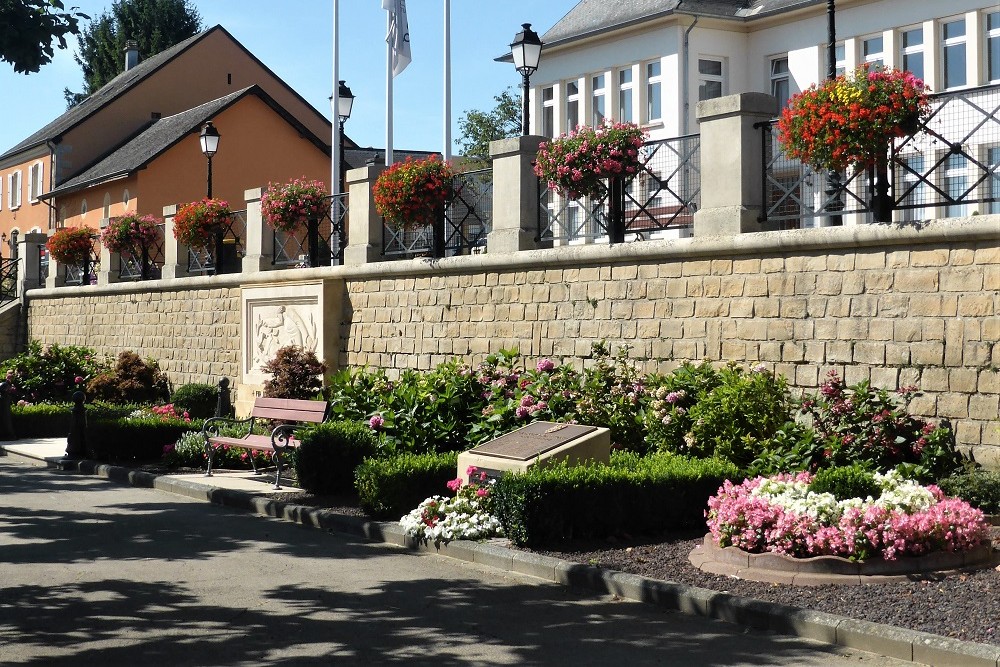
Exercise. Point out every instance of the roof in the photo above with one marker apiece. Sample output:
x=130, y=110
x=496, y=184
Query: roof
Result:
x=359, y=157
x=142, y=148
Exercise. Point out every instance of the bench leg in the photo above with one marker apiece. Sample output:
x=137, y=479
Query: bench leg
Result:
x=210, y=450
x=277, y=475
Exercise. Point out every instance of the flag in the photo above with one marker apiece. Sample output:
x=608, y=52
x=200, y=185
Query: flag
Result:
x=399, y=34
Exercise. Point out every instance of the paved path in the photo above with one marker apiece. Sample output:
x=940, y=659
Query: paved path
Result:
x=94, y=573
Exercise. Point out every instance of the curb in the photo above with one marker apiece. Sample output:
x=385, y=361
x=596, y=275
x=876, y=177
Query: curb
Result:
x=886, y=640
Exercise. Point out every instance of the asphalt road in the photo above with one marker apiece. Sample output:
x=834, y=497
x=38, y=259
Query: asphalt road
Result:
x=94, y=573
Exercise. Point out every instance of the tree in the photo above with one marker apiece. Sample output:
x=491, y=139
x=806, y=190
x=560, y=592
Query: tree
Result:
x=28, y=28
x=154, y=25
x=479, y=128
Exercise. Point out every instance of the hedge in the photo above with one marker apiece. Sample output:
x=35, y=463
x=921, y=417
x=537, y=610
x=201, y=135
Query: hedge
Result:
x=329, y=453
x=54, y=420
x=134, y=439
x=391, y=487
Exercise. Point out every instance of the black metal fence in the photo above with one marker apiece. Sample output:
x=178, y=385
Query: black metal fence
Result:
x=8, y=279
x=143, y=262
x=85, y=273
x=292, y=249
x=43, y=264
x=948, y=168
x=663, y=196
x=461, y=229
x=234, y=234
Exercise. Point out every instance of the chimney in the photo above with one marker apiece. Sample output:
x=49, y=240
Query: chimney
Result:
x=131, y=54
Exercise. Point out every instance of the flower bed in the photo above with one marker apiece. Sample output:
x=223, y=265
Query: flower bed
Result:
x=464, y=517
x=782, y=515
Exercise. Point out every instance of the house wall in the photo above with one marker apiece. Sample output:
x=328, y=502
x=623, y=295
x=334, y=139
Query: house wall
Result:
x=30, y=214
x=69, y=208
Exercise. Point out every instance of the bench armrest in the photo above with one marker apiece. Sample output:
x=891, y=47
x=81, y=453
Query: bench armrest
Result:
x=213, y=424
x=282, y=435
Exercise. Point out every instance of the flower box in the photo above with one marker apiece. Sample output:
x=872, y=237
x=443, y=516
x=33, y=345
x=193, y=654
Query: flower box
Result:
x=575, y=164
x=196, y=223
x=71, y=245
x=288, y=207
x=411, y=194
x=127, y=233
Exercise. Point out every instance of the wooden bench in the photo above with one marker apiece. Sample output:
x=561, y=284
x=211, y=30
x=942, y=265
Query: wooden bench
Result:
x=281, y=438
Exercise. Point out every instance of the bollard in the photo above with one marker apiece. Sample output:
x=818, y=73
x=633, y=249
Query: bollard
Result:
x=223, y=406
x=76, y=445
x=6, y=425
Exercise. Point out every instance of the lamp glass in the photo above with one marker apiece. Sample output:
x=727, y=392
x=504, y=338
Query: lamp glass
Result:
x=209, y=140
x=345, y=101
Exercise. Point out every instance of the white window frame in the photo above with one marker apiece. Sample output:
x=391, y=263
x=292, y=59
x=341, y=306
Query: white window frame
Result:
x=35, y=183
x=963, y=41
x=785, y=76
x=598, y=97
x=626, y=90
x=916, y=162
x=991, y=44
x=654, y=91
x=14, y=190
x=906, y=52
x=719, y=78
x=962, y=174
x=548, y=114
x=876, y=57
x=840, y=58
x=572, y=99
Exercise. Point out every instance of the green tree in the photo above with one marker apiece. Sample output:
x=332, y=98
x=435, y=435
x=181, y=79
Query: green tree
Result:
x=479, y=128
x=154, y=25
x=28, y=28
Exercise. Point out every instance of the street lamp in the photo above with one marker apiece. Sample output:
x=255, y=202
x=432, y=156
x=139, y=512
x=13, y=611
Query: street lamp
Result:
x=209, y=146
x=345, y=101
x=832, y=176
x=526, y=50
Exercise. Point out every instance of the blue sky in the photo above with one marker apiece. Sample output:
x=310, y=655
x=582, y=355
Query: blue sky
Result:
x=294, y=39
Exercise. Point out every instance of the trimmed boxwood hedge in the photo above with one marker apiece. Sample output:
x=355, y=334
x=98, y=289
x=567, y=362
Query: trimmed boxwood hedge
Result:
x=329, y=453
x=391, y=487
x=633, y=495
x=134, y=439
x=54, y=420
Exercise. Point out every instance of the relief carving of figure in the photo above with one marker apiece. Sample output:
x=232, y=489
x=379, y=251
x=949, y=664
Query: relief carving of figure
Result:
x=279, y=327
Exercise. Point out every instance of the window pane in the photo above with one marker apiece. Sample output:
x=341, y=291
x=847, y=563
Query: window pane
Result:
x=993, y=158
x=873, y=46
x=913, y=38
x=548, y=122
x=993, y=58
x=572, y=115
x=954, y=65
x=654, y=101
x=779, y=88
x=954, y=29
x=598, y=82
x=713, y=67
x=625, y=105
x=598, y=110
x=625, y=76
x=709, y=90
x=547, y=94
x=572, y=88
x=993, y=21
x=914, y=62
x=652, y=69
x=779, y=66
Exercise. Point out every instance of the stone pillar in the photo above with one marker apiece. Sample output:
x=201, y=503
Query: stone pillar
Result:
x=515, y=195
x=28, y=251
x=175, y=253
x=731, y=163
x=260, y=237
x=110, y=262
x=364, y=224
x=57, y=275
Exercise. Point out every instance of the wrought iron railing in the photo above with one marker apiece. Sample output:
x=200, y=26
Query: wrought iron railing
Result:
x=85, y=273
x=43, y=264
x=8, y=280
x=143, y=263
x=951, y=163
x=662, y=197
x=234, y=234
x=292, y=248
x=465, y=222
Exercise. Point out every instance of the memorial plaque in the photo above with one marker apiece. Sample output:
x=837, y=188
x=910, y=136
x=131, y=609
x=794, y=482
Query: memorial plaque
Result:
x=532, y=441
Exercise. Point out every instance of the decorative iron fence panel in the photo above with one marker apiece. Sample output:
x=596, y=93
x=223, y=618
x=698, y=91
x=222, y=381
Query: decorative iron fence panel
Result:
x=8, y=280
x=291, y=249
x=663, y=196
x=43, y=264
x=234, y=234
x=467, y=220
x=85, y=274
x=132, y=260
x=950, y=164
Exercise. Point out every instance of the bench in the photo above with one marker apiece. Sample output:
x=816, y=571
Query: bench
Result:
x=281, y=438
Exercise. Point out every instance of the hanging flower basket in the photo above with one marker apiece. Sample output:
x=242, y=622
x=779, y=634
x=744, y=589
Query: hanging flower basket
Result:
x=851, y=119
x=409, y=194
x=196, y=223
x=288, y=207
x=574, y=164
x=71, y=245
x=130, y=232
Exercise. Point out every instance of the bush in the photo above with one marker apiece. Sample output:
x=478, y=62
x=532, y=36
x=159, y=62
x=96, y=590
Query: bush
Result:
x=978, y=487
x=198, y=400
x=329, y=453
x=133, y=438
x=54, y=420
x=391, y=487
x=189, y=452
x=295, y=373
x=131, y=381
x=846, y=482
x=50, y=372
x=633, y=495
x=667, y=419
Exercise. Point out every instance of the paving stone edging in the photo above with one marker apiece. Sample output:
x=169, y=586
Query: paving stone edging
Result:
x=887, y=640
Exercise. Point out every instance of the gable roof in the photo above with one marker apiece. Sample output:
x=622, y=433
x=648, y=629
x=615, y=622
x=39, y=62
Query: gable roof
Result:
x=154, y=139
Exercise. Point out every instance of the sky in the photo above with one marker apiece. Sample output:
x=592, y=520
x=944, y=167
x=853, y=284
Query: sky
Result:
x=294, y=38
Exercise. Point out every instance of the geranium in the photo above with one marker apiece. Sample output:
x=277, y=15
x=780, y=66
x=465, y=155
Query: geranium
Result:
x=782, y=515
x=128, y=232
x=197, y=222
x=464, y=517
x=409, y=194
x=290, y=206
x=850, y=120
x=574, y=164
x=71, y=245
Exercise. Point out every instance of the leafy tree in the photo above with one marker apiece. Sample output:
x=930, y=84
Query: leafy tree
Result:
x=154, y=25
x=479, y=128
x=28, y=27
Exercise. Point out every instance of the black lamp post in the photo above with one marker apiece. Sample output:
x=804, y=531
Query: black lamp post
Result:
x=210, y=146
x=526, y=50
x=832, y=176
x=345, y=102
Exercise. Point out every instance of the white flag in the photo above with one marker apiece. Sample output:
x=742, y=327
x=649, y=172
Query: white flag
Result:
x=399, y=34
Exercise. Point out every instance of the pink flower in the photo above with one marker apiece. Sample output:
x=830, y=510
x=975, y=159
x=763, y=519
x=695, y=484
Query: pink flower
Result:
x=545, y=365
x=376, y=422
x=455, y=484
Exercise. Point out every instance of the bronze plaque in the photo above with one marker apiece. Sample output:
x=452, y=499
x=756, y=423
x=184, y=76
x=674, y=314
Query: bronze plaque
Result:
x=532, y=440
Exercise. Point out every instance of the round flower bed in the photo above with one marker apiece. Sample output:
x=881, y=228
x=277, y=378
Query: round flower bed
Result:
x=289, y=207
x=850, y=120
x=574, y=164
x=782, y=515
x=71, y=245
x=129, y=231
x=464, y=517
x=197, y=222
x=409, y=194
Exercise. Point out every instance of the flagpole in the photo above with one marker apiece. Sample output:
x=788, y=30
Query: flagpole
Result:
x=388, y=92
x=335, y=105
x=446, y=153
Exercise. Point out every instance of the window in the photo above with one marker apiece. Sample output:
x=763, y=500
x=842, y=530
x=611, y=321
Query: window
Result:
x=35, y=181
x=572, y=105
x=780, y=84
x=872, y=51
x=840, y=59
x=598, y=104
x=993, y=47
x=126, y=198
x=83, y=208
x=914, y=190
x=953, y=52
x=993, y=187
x=653, y=111
x=625, y=96
x=711, y=80
x=956, y=183
x=106, y=213
x=548, y=112
x=913, y=51
x=14, y=190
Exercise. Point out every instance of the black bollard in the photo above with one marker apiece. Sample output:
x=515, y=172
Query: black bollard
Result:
x=223, y=406
x=6, y=425
x=76, y=444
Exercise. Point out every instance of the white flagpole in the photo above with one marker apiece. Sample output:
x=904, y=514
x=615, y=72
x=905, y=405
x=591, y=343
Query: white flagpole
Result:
x=335, y=165
x=388, y=92
x=446, y=153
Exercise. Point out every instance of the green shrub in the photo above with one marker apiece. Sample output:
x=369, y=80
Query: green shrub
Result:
x=391, y=487
x=133, y=438
x=846, y=482
x=50, y=372
x=633, y=495
x=132, y=380
x=979, y=487
x=295, y=373
x=53, y=420
x=189, y=452
x=329, y=453
x=668, y=417
x=198, y=400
